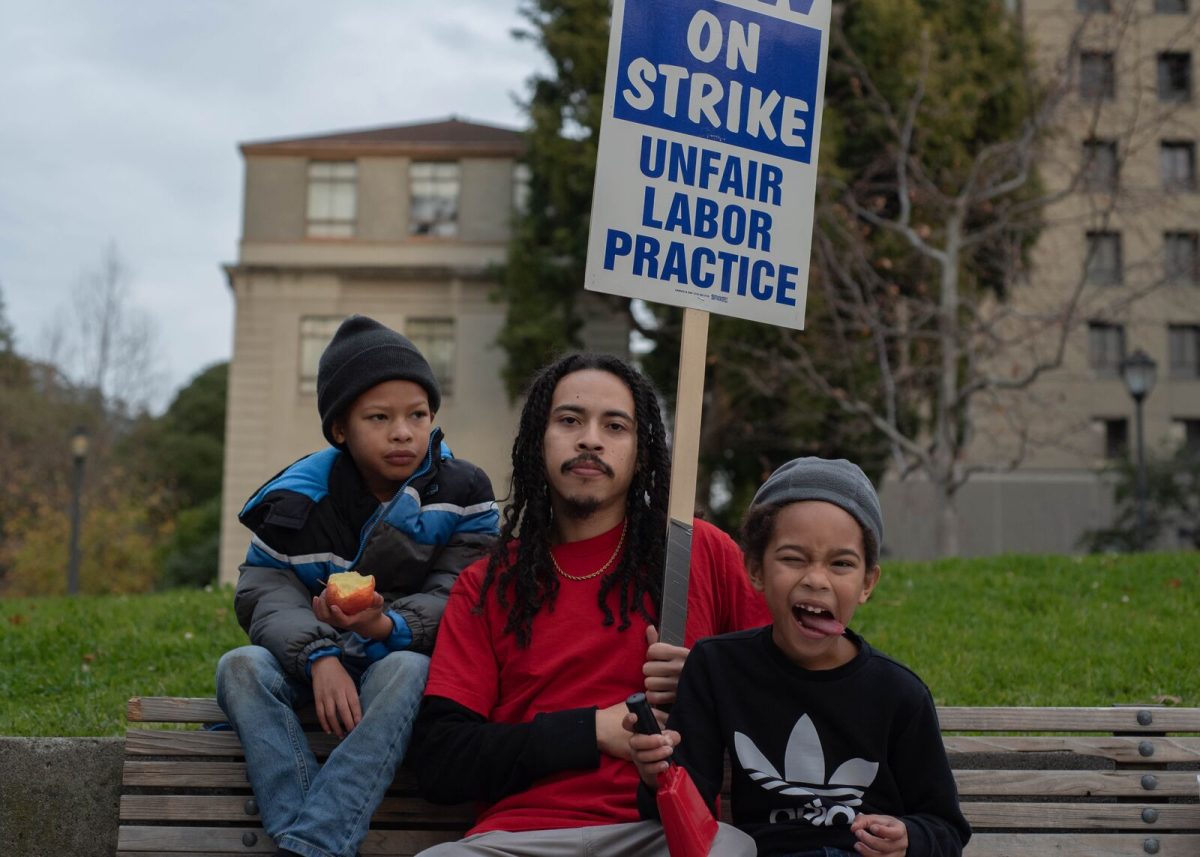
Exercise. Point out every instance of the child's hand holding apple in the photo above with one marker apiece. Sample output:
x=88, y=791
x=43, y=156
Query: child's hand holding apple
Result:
x=349, y=602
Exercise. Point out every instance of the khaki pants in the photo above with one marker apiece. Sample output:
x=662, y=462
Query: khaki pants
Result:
x=639, y=839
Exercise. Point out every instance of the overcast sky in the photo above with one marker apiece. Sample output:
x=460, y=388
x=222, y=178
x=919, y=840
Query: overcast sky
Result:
x=120, y=121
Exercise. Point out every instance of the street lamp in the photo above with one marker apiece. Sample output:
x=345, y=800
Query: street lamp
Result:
x=1138, y=372
x=79, y=451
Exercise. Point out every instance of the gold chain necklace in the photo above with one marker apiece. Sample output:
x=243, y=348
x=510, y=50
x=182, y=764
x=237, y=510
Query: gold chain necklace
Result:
x=602, y=568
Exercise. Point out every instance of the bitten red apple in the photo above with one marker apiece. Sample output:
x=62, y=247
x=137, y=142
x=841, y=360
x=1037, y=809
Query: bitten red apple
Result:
x=350, y=591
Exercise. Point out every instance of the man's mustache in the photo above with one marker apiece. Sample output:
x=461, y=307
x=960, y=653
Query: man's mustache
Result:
x=588, y=458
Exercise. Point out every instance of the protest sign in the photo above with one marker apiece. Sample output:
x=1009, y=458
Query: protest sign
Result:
x=706, y=171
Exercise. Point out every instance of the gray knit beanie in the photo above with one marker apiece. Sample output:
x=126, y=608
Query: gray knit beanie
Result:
x=836, y=481
x=361, y=354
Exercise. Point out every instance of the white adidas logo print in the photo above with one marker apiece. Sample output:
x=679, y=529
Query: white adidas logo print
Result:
x=804, y=775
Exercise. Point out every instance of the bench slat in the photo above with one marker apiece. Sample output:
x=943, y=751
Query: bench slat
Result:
x=409, y=810
x=175, y=742
x=157, y=742
x=1112, y=719
x=191, y=852
x=181, y=774
x=137, y=840
x=1074, y=783
x=1078, y=845
x=1096, y=816
x=232, y=775
x=232, y=808
x=1116, y=749
x=173, y=709
x=215, y=840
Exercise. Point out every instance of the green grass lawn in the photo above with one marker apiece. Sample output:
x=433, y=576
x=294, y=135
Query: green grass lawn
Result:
x=1044, y=630
x=997, y=631
x=70, y=664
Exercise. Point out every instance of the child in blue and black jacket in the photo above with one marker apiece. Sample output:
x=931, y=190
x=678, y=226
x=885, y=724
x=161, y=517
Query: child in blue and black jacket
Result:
x=388, y=499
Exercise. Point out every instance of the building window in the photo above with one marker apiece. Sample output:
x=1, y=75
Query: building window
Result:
x=315, y=333
x=1102, y=266
x=1174, y=76
x=1106, y=347
x=1183, y=345
x=1170, y=7
x=434, y=337
x=1100, y=165
x=1097, y=76
x=1177, y=163
x=1181, y=258
x=433, y=189
x=521, y=176
x=1116, y=437
x=1187, y=430
x=332, y=198
x=1093, y=5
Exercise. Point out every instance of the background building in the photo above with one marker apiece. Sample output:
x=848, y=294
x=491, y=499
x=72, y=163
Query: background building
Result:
x=405, y=224
x=1120, y=247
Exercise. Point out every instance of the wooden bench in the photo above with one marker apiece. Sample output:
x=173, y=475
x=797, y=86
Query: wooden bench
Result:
x=1091, y=782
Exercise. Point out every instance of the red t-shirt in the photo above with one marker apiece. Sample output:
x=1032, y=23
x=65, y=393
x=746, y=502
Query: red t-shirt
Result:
x=573, y=661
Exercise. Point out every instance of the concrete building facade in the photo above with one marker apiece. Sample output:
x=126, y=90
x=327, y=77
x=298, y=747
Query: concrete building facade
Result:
x=1120, y=251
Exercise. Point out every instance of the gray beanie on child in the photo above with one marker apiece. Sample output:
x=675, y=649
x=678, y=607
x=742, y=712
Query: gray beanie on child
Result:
x=834, y=480
x=361, y=354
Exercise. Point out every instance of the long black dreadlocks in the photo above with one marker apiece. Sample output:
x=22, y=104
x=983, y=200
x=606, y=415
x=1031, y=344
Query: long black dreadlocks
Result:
x=525, y=580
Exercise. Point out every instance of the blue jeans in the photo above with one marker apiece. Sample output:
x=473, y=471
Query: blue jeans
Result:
x=319, y=811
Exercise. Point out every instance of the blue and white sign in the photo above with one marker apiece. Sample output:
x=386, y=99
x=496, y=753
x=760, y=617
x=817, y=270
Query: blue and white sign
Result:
x=706, y=173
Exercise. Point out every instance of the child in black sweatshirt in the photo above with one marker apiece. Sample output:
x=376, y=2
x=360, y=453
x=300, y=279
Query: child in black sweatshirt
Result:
x=835, y=747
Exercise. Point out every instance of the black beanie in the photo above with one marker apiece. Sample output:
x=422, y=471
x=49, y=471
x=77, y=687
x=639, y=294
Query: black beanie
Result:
x=361, y=354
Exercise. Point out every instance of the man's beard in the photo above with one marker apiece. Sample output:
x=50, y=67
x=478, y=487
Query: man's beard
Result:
x=580, y=508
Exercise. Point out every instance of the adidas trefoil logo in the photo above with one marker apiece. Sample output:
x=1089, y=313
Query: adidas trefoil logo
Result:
x=804, y=775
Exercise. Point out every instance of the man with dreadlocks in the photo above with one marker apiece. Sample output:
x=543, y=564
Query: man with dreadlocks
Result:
x=542, y=642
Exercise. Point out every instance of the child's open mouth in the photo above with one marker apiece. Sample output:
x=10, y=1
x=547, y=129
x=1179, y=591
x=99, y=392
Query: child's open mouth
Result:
x=817, y=620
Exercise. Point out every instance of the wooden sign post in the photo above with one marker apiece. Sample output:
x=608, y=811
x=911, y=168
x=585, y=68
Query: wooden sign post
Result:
x=685, y=452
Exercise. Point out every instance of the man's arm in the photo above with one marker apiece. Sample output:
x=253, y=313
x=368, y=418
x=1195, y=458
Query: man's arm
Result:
x=460, y=756
x=720, y=599
x=701, y=749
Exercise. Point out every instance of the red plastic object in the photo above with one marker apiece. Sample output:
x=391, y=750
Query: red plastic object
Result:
x=687, y=821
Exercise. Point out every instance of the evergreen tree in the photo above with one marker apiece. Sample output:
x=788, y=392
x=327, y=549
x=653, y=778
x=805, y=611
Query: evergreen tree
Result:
x=181, y=453
x=544, y=274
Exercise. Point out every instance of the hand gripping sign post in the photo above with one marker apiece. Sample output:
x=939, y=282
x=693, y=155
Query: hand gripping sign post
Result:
x=705, y=181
